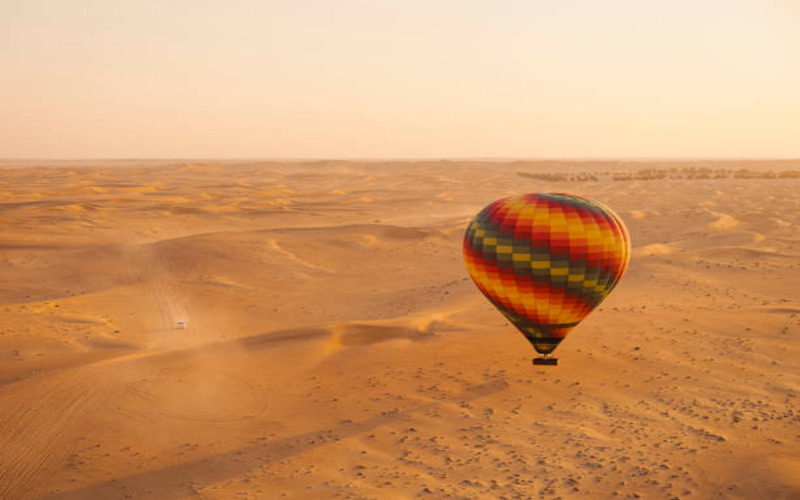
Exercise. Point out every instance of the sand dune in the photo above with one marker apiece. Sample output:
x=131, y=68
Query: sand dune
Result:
x=335, y=347
x=723, y=222
x=655, y=249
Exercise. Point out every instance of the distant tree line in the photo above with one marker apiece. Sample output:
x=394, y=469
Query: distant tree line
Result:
x=654, y=174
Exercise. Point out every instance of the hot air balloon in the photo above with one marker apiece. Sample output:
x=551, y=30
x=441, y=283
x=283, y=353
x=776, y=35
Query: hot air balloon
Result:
x=546, y=261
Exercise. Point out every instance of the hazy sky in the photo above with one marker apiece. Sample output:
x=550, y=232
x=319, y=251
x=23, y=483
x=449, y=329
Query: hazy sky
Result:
x=403, y=78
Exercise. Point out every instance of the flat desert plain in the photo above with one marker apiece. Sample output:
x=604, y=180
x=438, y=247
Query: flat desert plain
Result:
x=335, y=347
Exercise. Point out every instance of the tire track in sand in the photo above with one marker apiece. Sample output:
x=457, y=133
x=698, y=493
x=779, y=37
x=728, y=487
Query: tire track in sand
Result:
x=149, y=268
x=37, y=421
x=40, y=418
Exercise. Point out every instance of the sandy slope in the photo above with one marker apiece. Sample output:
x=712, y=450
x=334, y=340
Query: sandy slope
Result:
x=337, y=349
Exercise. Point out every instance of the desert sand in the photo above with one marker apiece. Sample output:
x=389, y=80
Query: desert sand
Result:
x=335, y=346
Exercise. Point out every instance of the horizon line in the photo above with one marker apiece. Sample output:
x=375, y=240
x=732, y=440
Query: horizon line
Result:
x=409, y=158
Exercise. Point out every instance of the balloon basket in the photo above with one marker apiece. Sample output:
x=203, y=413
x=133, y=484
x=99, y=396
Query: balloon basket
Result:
x=545, y=361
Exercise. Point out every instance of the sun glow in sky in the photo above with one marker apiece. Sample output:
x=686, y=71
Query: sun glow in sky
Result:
x=399, y=79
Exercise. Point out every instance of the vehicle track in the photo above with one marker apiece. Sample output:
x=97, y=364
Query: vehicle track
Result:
x=37, y=430
x=150, y=268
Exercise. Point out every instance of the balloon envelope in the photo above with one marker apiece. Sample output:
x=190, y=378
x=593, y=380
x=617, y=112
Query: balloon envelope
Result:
x=546, y=260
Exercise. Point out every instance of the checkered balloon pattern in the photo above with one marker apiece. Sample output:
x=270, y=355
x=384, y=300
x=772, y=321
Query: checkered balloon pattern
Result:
x=546, y=260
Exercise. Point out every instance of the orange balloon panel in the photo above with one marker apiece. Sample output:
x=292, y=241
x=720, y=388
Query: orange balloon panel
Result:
x=546, y=260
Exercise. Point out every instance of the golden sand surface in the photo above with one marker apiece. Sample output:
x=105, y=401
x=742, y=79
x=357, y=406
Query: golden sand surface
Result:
x=335, y=347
